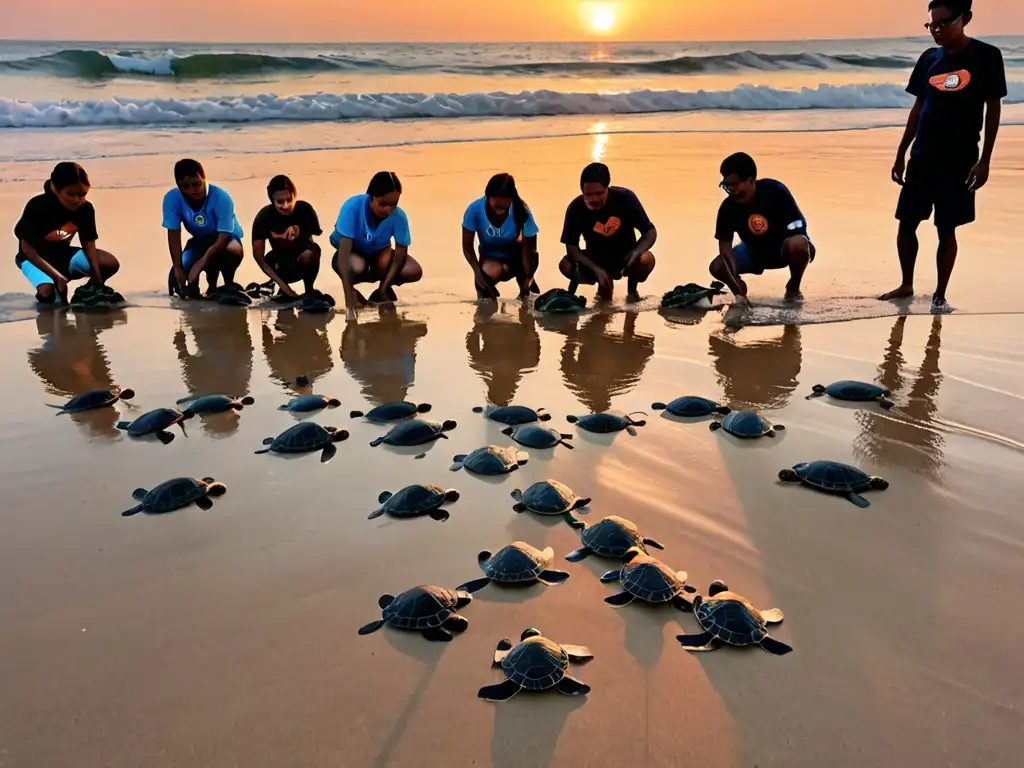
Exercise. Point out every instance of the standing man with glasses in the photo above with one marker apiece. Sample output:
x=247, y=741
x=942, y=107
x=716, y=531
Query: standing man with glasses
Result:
x=959, y=86
x=771, y=228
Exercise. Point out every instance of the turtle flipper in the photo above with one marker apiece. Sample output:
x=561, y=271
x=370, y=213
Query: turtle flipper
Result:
x=517, y=495
x=457, y=462
x=619, y=599
x=518, y=507
x=122, y=425
x=772, y=616
x=572, y=521
x=373, y=626
x=885, y=403
x=385, y=600
x=455, y=623
x=376, y=513
x=570, y=686
x=631, y=432
x=473, y=586
x=578, y=653
x=204, y=503
x=165, y=437
x=551, y=578
x=437, y=635
x=777, y=647
x=501, y=692
x=132, y=511
x=504, y=646
x=378, y=441
x=328, y=453
x=262, y=450
x=440, y=515
x=609, y=576
x=681, y=603
x=653, y=543
x=702, y=642
x=859, y=500
x=139, y=494
x=580, y=554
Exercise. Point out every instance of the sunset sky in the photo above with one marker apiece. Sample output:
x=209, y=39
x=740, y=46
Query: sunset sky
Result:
x=471, y=20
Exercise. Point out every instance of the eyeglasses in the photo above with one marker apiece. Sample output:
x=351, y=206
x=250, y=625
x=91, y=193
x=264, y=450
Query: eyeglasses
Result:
x=731, y=191
x=936, y=26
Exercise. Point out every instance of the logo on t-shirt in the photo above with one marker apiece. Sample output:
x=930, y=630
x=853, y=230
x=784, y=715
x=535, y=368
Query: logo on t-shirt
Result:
x=493, y=231
x=951, y=81
x=757, y=224
x=289, y=234
x=59, y=235
x=609, y=228
x=200, y=220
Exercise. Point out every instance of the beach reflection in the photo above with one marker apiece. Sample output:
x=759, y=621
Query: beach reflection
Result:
x=761, y=371
x=71, y=360
x=503, y=345
x=296, y=343
x=381, y=355
x=219, y=360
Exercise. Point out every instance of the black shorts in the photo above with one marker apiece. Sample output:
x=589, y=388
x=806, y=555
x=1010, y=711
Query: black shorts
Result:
x=285, y=261
x=614, y=265
x=942, y=186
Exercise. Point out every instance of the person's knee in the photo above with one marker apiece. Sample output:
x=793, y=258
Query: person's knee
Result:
x=411, y=272
x=947, y=236
x=567, y=267
x=908, y=229
x=797, y=250
x=716, y=267
x=46, y=293
x=109, y=265
x=494, y=271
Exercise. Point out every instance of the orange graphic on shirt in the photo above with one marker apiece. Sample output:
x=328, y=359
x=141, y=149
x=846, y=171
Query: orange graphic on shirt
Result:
x=757, y=224
x=610, y=227
x=951, y=82
x=61, y=234
x=289, y=234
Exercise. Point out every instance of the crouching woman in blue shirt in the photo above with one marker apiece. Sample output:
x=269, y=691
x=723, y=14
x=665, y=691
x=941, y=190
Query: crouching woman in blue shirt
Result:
x=372, y=240
x=208, y=214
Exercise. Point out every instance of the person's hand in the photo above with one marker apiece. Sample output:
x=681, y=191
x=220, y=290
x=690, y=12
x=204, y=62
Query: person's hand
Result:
x=484, y=285
x=60, y=285
x=631, y=259
x=978, y=177
x=524, y=286
x=180, y=278
x=196, y=271
x=605, y=284
x=899, y=169
x=287, y=290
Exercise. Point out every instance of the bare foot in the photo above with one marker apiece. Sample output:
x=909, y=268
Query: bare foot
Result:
x=602, y=296
x=741, y=302
x=632, y=297
x=793, y=297
x=903, y=292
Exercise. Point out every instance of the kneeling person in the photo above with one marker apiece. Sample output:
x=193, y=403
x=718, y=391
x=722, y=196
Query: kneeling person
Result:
x=771, y=228
x=289, y=225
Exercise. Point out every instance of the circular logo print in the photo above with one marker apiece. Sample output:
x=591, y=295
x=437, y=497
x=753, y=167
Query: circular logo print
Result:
x=757, y=224
x=200, y=220
x=493, y=231
x=952, y=82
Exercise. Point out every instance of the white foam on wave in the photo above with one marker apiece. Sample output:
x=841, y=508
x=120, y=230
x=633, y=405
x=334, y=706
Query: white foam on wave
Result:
x=141, y=66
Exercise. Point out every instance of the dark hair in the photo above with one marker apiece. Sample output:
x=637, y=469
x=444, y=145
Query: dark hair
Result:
x=504, y=185
x=741, y=164
x=955, y=6
x=183, y=169
x=596, y=173
x=281, y=184
x=384, y=183
x=66, y=175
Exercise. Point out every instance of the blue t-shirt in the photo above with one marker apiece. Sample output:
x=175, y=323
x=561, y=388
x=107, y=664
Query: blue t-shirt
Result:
x=369, y=237
x=216, y=215
x=495, y=241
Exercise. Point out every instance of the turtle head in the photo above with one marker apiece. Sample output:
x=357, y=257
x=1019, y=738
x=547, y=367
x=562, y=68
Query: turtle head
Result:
x=449, y=425
x=528, y=633
x=789, y=476
x=484, y=556
x=188, y=413
x=631, y=553
x=878, y=484
x=339, y=435
x=333, y=402
x=818, y=389
x=248, y=400
x=717, y=587
x=216, y=489
x=126, y=394
x=424, y=408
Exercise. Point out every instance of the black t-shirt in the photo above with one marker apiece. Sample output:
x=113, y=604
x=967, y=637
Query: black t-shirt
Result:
x=272, y=226
x=49, y=227
x=955, y=88
x=765, y=223
x=610, y=233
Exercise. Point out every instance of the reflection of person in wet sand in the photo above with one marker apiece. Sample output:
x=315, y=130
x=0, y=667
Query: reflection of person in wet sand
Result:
x=300, y=345
x=381, y=355
x=501, y=346
x=599, y=365
x=761, y=373
x=910, y=442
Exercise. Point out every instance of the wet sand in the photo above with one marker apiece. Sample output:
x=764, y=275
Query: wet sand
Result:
x=228, y=637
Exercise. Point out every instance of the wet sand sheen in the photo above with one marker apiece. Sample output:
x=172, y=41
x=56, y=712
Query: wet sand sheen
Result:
x=229, y=636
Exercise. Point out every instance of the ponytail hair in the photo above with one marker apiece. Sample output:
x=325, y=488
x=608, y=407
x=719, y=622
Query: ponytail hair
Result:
x=504, y=185
x=384, y=183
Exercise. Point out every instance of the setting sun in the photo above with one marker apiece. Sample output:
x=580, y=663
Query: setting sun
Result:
x=600, y=17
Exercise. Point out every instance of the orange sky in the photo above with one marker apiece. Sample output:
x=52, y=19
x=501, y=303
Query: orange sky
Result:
x=467, y=20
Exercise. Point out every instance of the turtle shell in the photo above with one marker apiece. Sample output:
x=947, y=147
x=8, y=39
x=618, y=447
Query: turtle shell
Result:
x=392, y=411
x=833, y=476
x=612, y=537
x=683, y=296
x=492, y=460
x=518, y=562
x=746, y=424
x=730, y=618
x=307, y=403
x=415, y=500
x=536, y=436
x=692, y=407
x=413, y=432
x=513, y=415
x=214, y=404
x=422, y=607
x=559, y=300
x=536, y=664
x=856, y=391
x=603, y=423
x=302, y=438
x=650, y=579
x=96, y=398
x=154, y=421
x=173, y=494
x=549, y=497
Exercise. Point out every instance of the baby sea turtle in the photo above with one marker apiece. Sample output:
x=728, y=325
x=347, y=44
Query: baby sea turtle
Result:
x=316, y=302
x=747, y=425
x=536, y=436
x=647, y=578
x=215, y=404
x=230, y=295
x=306, y=437
x=389, y=412
x=730, y=619
x=607, y=423
x=690, y=407
x=612, y=537
x=691, y=295
x=833, y=477
x=426, y=609
x=854, y=391
x=309, y=403
x=96, y=398
x=518, y=563
x=559, y=301
x=176, y=494
x=552, y=499
x=490, y=460
x=156, y=423
x=536, y=664
x=414, y=501
x=513, y=415
x=415, y=432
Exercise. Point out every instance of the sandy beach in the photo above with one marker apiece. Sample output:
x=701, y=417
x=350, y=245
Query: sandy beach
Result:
x=228, y=637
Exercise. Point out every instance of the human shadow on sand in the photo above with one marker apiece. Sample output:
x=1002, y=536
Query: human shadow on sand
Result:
x=502, y=345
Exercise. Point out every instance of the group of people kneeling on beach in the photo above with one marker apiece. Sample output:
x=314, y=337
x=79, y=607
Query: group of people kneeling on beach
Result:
x=955, y=84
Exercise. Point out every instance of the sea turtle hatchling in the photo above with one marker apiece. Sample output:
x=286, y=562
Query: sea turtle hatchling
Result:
x=746, y=425
x=306, y=437
x=550, y=498
x=518, y=563
x=96, y=398
x=198, y=406
x=649, y=579
x=559, y=301
x=691, y=407
x=176, y=494
x=854, y=391
x=432, y=611
x=536, y=436
x=390, y=412
x=612, y=537
x=729, y=619
x=536, y=664
x=415, y=501
x=692, y=296
x=607, y=423
x=513, y=415
x=833, y=477
x=156, y=422
x=490, y=460
x=415, y=432
x=309, y=403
